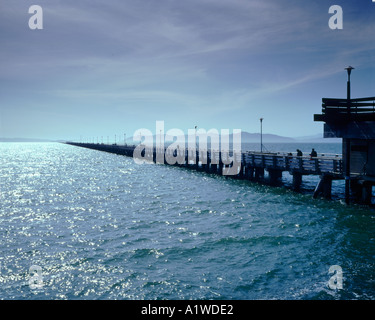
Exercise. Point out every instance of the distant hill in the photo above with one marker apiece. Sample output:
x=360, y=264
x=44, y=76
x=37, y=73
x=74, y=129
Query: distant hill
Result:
x=318, y=138
x=266, y=137
x=247, y=137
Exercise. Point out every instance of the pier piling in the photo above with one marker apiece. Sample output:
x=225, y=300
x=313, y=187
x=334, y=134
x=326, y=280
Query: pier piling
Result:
x=251, y=166
x=324, y=187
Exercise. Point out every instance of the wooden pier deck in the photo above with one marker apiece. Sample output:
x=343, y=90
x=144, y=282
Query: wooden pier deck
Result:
x=250, y=165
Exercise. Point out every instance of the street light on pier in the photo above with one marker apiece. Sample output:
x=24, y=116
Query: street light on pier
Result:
x=195, y=137
x=349, y=70
x=261, y=135
x=348, y=142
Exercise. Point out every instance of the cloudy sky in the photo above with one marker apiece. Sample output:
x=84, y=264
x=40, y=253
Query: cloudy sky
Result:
x=105, y=68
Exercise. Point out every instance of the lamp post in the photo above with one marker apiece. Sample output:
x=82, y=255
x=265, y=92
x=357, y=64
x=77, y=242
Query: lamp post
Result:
x=196, y=147
x=349, y=70
x=195, y=137
x=347, y=142
x=261, y=135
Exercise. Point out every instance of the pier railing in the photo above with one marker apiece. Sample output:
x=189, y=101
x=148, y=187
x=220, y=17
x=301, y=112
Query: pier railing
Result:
x=339, y=110
x=293, y=163
x=211, y=160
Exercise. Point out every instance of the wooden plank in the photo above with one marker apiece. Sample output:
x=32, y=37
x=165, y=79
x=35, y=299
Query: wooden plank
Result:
x=346, y=104
x=344, y=117
x=352, y=100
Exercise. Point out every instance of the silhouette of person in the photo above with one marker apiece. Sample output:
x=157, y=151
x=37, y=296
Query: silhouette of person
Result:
x=313, y=153
x=299, y=153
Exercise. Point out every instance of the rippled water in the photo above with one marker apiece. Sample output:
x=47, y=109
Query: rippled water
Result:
x=101, y=227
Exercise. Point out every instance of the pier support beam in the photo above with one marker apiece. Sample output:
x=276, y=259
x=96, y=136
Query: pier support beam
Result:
x=206, y=162
x=221, y=164
x=346, y=157
x=356, y=190
x=241, y=173
x=297, y=181
x=366, y=193
x=324, y=187
x=259, y=174
x=275, y=176
x=208, y=165
x=214, y=168
x=183, y=158
x=249, y=173
x=361, y=191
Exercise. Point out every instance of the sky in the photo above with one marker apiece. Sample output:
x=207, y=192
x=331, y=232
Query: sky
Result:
x=108, y=68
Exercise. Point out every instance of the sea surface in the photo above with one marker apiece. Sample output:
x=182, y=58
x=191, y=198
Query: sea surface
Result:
x=83, y=224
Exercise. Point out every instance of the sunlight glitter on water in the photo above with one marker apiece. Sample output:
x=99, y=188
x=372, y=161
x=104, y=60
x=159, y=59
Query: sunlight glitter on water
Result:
x=102, y=227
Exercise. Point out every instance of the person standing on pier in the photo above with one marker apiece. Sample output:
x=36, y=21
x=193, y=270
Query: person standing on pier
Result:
x=299, y=153
x=313, y=153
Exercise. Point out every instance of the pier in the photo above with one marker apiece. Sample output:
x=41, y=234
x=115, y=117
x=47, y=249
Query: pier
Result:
x=252, y=166
x=353, y=120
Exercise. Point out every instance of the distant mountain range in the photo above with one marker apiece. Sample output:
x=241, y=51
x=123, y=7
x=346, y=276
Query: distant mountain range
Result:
x=246, y=137
x=266, y=137
x=273, y=138
x=318, y=138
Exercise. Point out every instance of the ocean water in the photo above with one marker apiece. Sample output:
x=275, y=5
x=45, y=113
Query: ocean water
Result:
x=99, y=226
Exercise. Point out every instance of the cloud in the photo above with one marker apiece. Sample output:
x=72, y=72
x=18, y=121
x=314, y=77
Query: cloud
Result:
x=205, y=55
